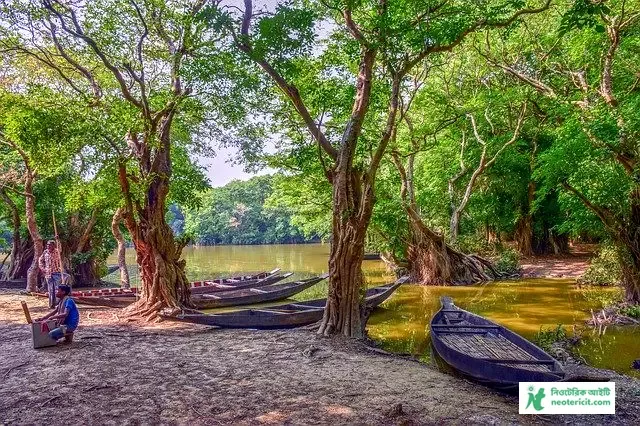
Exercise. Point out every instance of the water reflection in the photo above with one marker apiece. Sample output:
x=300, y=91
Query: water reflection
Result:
x=523, y=306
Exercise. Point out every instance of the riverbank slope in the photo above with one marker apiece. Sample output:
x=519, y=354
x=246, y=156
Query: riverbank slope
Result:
x=170, y=374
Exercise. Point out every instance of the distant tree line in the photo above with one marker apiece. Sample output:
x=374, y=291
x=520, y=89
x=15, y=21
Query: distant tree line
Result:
x=241, y=212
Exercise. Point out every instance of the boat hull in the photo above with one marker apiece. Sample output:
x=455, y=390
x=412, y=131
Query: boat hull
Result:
x=285, y=316
x=489, y=353
x=253, y=295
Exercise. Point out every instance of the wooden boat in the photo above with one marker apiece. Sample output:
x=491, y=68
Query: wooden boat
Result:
x=197, y=287
x=284, y=316
x=221, y=299
x=487, y=352
x=250, y=296
x=214, y=287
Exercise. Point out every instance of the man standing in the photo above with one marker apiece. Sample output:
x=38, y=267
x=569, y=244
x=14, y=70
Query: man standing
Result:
x=66, y=315
x=49, y=263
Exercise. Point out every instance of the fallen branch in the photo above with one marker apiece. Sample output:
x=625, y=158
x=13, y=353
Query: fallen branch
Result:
x=97, y=387
x=15, y=367
x=49, y=400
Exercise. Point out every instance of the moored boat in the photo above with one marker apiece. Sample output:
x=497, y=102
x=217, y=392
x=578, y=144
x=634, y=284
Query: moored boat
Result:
x=487, y=352
x=214, y=287
x=220, y=299
x=284, y=316
x=249, y=296
x=197, y=287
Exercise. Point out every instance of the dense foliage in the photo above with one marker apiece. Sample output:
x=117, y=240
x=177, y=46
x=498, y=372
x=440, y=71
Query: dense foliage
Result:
x=239, y=213
x=424, y=130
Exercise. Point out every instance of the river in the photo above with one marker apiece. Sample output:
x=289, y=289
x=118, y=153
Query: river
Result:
x=402, y=323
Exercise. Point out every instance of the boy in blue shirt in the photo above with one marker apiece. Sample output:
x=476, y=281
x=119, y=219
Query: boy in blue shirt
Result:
x=66, y=315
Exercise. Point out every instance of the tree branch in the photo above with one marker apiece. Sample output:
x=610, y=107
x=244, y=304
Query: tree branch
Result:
x=243, y=43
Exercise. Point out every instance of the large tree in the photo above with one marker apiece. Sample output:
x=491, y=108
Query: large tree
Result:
x=594, y=105
x=382, y=42
x=127, y=59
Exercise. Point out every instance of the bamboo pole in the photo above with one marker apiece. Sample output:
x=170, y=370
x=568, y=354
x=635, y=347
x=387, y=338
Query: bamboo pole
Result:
x=27, y=315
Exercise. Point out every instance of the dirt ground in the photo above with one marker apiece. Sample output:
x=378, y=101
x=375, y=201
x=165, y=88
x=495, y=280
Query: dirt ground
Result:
x=571, y=265
x=167, y=374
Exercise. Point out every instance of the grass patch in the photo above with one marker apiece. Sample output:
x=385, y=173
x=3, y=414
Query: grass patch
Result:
x=631, y=311
x=546, y=337
x=604, y=269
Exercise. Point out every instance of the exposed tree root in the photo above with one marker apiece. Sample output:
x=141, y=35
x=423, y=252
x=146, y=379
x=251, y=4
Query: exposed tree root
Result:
x=433, y=262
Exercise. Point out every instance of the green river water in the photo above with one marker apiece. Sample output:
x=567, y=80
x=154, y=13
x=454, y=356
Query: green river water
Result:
x=402, y=323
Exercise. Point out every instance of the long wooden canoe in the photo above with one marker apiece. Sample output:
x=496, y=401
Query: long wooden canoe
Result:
x=249, y=296
x=487, y=352
x=214, y=287
x=284, y=316
x=220, y=299
x=197, y=287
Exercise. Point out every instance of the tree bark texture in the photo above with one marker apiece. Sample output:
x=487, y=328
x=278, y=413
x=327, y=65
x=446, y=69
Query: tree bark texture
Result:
x=162, y=276
x=122, y=248
x=21, y=250
x=433, y=262
x=342, y=313
x=32, y=226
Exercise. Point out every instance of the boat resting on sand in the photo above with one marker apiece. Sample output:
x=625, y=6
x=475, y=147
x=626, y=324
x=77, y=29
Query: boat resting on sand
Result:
x=197, y=287
x=220, y=299
x=284, y=316
x=487, y=352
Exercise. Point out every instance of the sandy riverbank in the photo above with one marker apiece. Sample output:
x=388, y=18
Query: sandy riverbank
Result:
x=168, y=374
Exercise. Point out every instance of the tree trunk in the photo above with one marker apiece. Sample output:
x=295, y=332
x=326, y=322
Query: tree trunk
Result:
x=524, y=235
x=22, y=261
x=454, y=225
x=32, y=225
x=86, y=274
x=163, y=280
x=162, y=276
x=122, y=262
x=20, y=249
x=630, y=266
x=433, y=262
x=343, y=312
x=629, y=250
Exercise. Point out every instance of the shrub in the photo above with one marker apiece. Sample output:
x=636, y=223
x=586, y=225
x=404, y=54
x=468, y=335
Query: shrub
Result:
x=632, y=311
x=475, y=243
x=547, y=337
x=604, y=268
x=508, y=262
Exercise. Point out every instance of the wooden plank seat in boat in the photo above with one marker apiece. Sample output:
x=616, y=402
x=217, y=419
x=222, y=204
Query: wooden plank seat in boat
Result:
x=494, y=348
